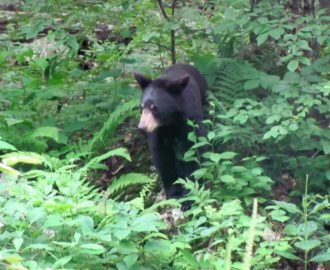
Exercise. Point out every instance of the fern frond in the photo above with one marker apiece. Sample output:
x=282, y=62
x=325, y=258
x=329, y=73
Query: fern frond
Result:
x=129, y=179
x=162, y=204
x=103, y=137
x=122, y=152
x=230, y=79
x=146, y=189
x=235, y=84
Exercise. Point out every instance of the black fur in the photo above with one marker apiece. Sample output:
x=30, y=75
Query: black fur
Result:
x=178, y=95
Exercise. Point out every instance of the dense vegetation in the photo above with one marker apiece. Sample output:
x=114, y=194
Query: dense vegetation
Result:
x=77, y=190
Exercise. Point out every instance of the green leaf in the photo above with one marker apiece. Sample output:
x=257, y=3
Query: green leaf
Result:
x=231, y=208
x=282, y=130
x=6, y=146
x=8, y=170
x=257, y=171
x=251, y=84
x=18, y=243
x=227, y=178
x=274, y=132
x=12, y=259
x=291, y=229
x=279, y=215
x=267, y=135
x=311, y=228
x=4, y=55
x=308, y=244
x=199, y=144
x=61, y=262
x=48, y=132
x=227, y=155
x=72, y=42
x=327, y=174
x=53, y=221
x=241, y=118
x=262, y=38
x=276, y=33
x=238, y=169
x=92, y=249
x=11, y=159
x=122, y=152
x=319, y=207
x=303, y=44
x=36, y=214
x=288, y=255
x=150, y=35
x=129, y=179
x=264, y=182
x=211, y=135
x=190, y=258
x=326, y=146
x=215, y=157
x=273, y=118
x=293, y=65
x=289, y=207
x=130, y=260
x=321, y=257
x=121, y=234
x=293, y=126
x=198, y=174
x=40, y=63
x=146, y=223
x=40, y=247
x=305, y=61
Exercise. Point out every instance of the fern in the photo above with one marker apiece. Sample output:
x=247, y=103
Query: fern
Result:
x=122, y=152
x=145, y=190
x=140, y=201
x=105, y=136
x=162, y=204
x=229, y=82
x=236, y=80
x=129, y=180
x=234, y=92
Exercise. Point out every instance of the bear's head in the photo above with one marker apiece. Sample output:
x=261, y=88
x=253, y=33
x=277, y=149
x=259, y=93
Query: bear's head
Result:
x=161, y=102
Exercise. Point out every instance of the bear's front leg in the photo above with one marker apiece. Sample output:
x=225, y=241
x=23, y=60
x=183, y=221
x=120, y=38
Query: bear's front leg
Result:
x=164, y=159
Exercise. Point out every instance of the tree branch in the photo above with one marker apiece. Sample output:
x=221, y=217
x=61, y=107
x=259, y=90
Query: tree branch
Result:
x=173, y=7
x=162, y=9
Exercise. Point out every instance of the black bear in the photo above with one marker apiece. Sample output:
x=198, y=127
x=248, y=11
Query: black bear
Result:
x=166, y=104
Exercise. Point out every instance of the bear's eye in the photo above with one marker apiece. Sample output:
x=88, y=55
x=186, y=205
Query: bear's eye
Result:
x=153, y=108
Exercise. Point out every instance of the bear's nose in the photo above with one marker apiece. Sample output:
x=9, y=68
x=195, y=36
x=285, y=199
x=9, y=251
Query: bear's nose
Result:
x=142, y=127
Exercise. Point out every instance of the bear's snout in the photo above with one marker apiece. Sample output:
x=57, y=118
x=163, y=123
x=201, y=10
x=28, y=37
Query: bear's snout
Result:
x=148, y=122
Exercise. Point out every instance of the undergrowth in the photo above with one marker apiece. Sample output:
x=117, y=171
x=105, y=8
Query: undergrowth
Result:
x=260, y=197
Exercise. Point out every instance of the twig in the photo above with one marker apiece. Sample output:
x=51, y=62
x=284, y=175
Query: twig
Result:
x=163, y=11
x=173, y=7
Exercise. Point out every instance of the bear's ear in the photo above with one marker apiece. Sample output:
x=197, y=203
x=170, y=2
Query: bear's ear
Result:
x=142, y=80
x=178, y=85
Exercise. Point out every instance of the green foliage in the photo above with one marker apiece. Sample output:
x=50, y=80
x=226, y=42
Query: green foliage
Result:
x=68, y=105
x=308, y=234
x=106, y=135
x=129, y=180
x=72, y=224
x=231, y=176
x=285, y=118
